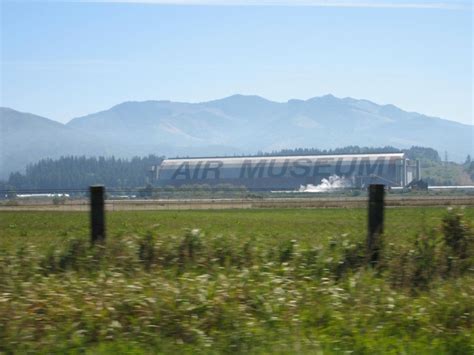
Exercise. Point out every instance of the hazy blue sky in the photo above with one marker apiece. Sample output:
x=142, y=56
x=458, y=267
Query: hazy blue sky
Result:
x=62, y=59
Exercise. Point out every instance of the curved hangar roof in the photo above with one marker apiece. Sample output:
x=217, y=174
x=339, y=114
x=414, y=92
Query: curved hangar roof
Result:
x=310, y=167
x=282, y=159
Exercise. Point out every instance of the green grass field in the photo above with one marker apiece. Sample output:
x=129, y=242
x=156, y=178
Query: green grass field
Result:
x=258, y=281
x=305, y=225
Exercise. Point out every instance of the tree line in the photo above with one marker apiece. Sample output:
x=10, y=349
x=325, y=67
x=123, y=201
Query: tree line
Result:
x=72, y=172
x=419, y=153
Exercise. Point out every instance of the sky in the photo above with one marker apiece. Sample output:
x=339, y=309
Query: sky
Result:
x=64, y=59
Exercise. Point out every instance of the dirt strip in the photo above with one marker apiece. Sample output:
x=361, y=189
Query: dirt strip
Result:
x=209, y=204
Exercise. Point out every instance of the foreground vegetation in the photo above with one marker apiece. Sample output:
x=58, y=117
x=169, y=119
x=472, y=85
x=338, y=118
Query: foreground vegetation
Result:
x=281, y=281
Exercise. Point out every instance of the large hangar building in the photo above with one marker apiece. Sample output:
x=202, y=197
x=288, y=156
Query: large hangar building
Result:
x=289, y=172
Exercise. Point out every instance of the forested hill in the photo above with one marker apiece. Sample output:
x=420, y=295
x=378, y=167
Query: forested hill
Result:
x=244, y=124
x=80, y=172
x=237, y=124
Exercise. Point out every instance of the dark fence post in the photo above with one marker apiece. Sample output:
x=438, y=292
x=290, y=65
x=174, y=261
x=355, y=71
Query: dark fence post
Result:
x=97, y=193
x=375, y=227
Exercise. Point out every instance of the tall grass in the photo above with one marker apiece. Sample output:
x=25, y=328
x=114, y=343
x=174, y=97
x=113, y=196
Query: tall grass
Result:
x=219, y=293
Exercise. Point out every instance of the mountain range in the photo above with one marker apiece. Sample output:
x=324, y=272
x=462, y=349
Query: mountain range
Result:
x=238, y=124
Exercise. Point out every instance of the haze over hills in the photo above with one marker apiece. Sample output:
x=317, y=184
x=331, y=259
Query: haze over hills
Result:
x=26, y=138
x=234, y=125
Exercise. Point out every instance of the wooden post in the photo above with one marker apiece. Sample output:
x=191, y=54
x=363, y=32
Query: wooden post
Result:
x=375, y=225
x=97, y=193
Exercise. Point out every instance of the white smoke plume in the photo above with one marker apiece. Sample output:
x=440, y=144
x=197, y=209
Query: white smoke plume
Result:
x=332, y=183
